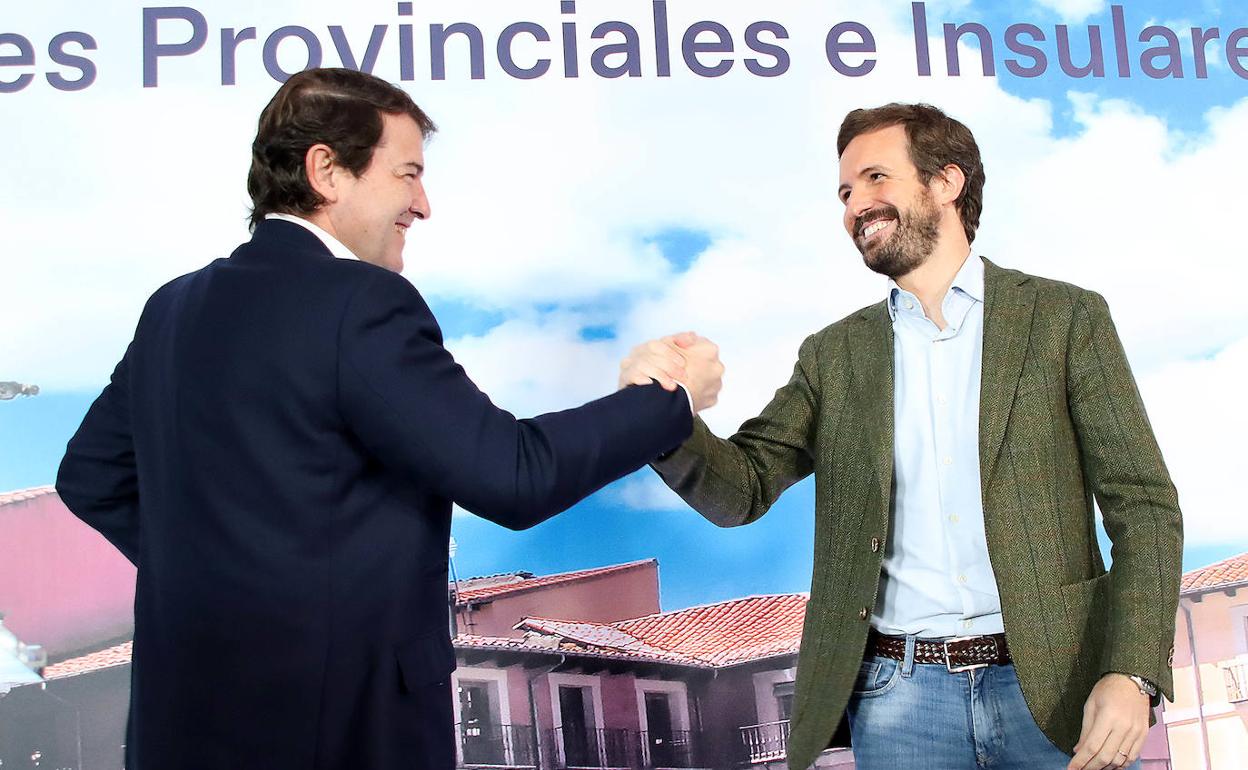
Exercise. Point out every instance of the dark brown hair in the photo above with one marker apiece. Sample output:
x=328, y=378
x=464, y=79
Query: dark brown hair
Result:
x=936, y=140
x=341, y=108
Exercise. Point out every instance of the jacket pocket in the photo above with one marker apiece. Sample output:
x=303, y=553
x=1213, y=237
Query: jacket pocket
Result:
x=425, y=660
x=1087, y=614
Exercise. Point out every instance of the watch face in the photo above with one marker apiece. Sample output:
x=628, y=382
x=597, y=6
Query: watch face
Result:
x=1146, y=687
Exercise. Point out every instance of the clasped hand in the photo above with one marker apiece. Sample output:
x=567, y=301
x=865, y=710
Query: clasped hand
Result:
x=678, y=359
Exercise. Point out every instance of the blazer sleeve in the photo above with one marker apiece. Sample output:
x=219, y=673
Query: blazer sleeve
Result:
x=734, y=481
x=98, y=480
x=415, y=409
x=1125, y=471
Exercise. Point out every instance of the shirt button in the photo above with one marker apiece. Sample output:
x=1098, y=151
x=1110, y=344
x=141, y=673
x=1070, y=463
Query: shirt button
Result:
x=953, y=517
x=948, y=460
x=864, y=613
x=967, y=624
x=962, y=579
x=909, y=305
x=875, y=545
x=942, y=400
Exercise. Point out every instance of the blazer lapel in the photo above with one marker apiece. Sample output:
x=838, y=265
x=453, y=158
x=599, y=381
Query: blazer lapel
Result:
x=871, y=361
x=1009, y=304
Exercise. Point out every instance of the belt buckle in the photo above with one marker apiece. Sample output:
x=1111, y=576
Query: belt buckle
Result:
x=970, y=666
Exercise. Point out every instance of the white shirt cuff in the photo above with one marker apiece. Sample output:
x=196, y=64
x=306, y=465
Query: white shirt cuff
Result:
x=688, y=396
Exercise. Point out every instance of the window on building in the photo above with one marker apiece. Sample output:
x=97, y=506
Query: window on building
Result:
x=479, y=723
x=580, y=738
x=783, y=692
x=660, y=731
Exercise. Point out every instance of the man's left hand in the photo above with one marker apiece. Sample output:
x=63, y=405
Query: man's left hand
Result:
x=1115, y=722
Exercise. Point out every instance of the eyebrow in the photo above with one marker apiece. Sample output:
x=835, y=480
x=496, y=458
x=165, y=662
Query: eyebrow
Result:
x=869, y=169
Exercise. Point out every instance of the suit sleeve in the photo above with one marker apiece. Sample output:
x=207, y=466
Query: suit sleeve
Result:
x=1138, y=502
x=735, y=481
x=416, y=410
x=98, y=480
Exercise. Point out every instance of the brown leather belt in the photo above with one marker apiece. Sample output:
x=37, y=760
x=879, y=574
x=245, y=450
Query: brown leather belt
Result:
x=962, y=653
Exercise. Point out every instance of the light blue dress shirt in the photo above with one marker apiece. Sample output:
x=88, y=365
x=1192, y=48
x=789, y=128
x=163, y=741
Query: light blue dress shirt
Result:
x=937, y=580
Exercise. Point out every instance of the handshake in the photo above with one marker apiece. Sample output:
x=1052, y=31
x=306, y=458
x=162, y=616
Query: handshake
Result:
x=678, y=359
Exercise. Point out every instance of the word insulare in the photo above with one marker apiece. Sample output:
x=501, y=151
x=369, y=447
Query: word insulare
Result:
x=1162, y=58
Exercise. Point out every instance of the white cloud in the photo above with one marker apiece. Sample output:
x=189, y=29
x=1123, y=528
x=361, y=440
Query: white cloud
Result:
x=1196, y=408
x=646, y=492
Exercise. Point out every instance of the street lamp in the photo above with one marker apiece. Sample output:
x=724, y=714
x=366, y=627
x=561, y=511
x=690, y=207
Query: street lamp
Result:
x=453, y=595
x=11, y=390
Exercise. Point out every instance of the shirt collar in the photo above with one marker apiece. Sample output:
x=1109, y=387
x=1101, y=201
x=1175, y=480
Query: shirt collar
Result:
x=334, y=245
x=969, y=280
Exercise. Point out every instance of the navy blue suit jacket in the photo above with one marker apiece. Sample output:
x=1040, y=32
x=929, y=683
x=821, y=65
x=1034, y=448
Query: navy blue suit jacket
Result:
x=278, y=452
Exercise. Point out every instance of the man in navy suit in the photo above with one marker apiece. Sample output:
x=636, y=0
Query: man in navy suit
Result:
x=279, y=449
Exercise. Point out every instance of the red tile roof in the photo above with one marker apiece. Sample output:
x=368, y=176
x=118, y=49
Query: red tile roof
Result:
x=485, y=589
x=22, y=495
x=728, y=632
x=601, y=637
x=711, y=636
x=723, y=634
x=472, y=641
x=1232, y=571
x=111, y=657
x=550, y=644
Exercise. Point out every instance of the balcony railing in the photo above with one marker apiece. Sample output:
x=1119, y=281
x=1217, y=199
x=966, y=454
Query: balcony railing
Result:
x=671, y=749
x=589, y=748
x=509, y=746
x=1236, y=672
x=619, y=749
x=766, y=742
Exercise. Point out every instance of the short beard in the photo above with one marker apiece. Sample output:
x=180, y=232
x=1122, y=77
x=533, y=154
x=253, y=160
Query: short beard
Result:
x=912, y=242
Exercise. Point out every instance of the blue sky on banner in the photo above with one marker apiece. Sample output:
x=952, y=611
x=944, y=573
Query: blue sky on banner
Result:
x=573, y=219
x=1180, y=101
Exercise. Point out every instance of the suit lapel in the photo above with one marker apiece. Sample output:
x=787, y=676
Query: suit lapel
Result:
x=871, y=359
x=1009, y=304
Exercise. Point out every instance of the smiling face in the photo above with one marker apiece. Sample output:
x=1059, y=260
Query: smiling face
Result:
x=890, y=214
x=371, y=213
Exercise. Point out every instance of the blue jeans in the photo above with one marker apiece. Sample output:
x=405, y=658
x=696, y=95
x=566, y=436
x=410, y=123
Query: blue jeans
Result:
x=917, y=716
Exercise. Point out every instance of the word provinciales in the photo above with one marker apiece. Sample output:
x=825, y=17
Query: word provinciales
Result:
x=526, y=50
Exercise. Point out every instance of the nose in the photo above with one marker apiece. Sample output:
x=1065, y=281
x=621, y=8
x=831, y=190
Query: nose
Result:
x=420, y=203
x=857, y=203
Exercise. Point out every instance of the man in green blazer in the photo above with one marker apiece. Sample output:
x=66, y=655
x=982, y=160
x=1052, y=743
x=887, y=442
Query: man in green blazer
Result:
x=960, y=613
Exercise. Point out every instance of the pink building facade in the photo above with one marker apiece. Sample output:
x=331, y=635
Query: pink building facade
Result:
x=62, y=585
x=491, y=606
x=1207, y=725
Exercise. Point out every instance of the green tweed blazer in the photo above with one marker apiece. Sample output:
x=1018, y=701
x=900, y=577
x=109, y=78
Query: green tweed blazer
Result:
x=1061, y=422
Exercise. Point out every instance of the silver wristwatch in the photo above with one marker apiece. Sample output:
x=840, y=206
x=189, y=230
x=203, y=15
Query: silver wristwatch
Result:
x=1146, y=687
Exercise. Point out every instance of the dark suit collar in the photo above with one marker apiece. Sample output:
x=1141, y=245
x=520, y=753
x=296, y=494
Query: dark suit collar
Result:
x=274, y=238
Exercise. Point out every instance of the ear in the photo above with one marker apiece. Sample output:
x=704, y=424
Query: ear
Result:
x=947, y=186
x=322, y=171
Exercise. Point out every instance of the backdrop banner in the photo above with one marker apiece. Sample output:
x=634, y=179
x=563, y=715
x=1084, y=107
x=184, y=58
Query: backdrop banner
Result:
x=605, y=173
